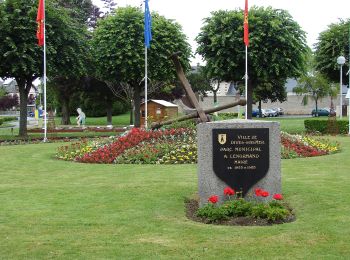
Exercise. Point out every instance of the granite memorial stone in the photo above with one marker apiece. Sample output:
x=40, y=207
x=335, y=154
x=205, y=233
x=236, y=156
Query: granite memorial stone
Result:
x=241, y=154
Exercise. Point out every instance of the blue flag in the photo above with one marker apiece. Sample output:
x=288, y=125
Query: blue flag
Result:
x=148, y=25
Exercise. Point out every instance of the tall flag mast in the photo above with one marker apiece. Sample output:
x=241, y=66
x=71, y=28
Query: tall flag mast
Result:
x=246, y=42
x=40, y=34
x=148, y=38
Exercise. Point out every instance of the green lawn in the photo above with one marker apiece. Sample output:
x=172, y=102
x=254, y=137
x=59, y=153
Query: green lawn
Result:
x=65, y=210
x=118, y=121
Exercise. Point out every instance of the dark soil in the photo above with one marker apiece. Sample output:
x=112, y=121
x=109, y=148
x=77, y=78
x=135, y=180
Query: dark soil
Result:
x=192, y=206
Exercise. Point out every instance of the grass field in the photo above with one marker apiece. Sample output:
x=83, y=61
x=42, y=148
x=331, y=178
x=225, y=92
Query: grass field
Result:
x=118, y=121
x=64, y=210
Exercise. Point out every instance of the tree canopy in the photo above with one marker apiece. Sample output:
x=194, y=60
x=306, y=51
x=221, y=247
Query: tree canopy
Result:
x=313, y=85
x=332, y=43
x=118, y=46
x=21, y=57
x=276, y=52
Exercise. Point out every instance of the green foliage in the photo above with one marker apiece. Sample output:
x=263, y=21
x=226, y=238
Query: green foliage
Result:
x=118, y=50
x=331, y=44
x=118, y=46
x=277, y=48
x=321, y=126
x=94, y=108
x=227, y=115
x=190, y=124
x=212, y=213
x=238, y=208
x=314, y=85
x=199, y=80
x=21, y=57
x=272, y=211
x=2, y=92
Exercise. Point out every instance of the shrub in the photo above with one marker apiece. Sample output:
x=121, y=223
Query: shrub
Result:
x=321, y=126
x=212, y=213
x=228, y=115
x=274, y=210
x=7, y=119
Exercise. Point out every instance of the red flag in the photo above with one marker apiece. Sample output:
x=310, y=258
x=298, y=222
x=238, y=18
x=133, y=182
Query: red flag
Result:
x=40, y=20
x=245, y=24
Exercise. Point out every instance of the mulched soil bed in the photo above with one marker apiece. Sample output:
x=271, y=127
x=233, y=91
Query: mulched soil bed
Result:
x=192, y=205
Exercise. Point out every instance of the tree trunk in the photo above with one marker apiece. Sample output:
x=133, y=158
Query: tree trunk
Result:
x=250, y=100
x=316, y=106
x=215, y=97
x=131, y=112
x=23, y=95
x=109, y=113
x=65, y=111
x=137, y=104
x=260, y=114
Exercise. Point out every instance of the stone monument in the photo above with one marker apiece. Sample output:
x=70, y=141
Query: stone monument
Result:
x=241, y=154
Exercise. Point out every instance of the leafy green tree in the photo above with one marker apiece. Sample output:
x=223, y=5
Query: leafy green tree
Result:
x=199, y=81
x=118, y=46
x=21, y=57
x=332, y=43
x=313, y=85
x=276, y=52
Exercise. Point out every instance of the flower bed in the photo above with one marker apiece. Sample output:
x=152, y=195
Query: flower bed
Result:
x=237, y=211
x=108, y=153
x=305, y=146
x=174, y=146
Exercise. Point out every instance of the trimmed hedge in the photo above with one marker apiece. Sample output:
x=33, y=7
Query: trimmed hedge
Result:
x=323, y=126
x=6, y=119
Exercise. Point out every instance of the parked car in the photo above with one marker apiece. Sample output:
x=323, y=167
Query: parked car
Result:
x=255, y=113
x=279, y=110
x=271, y=112
x=320, y=112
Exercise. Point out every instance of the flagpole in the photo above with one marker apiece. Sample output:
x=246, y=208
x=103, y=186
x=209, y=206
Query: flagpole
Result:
x=246, y=82
x=146, y=79
x=45, y=104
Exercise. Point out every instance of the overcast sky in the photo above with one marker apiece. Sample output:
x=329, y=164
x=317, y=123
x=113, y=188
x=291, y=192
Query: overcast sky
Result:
x=312, y=15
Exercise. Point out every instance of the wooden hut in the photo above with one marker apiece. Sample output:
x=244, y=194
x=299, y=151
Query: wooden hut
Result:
x=158, y=110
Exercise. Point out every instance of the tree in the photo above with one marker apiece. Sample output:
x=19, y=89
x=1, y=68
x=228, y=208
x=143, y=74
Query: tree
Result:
x=199, y=80
x=118, y=47
x=276, y=52
x=331, y=44
x=313, y=85
x=68, y=79
x=20, y=56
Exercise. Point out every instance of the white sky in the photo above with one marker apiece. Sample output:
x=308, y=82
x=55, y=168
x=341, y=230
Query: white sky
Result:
x=312, y=15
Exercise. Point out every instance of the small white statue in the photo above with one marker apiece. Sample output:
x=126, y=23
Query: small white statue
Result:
x=81, y=117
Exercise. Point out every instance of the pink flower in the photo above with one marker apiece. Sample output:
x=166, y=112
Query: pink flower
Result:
x=213, y=199
x=278, y=196
x=228, y=191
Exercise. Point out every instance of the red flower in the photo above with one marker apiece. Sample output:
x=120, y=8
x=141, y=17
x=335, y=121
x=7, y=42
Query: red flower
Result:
x=278, y=196
x=228, y=191
x=213, y=199
x=258, y=192
x=265, y=193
